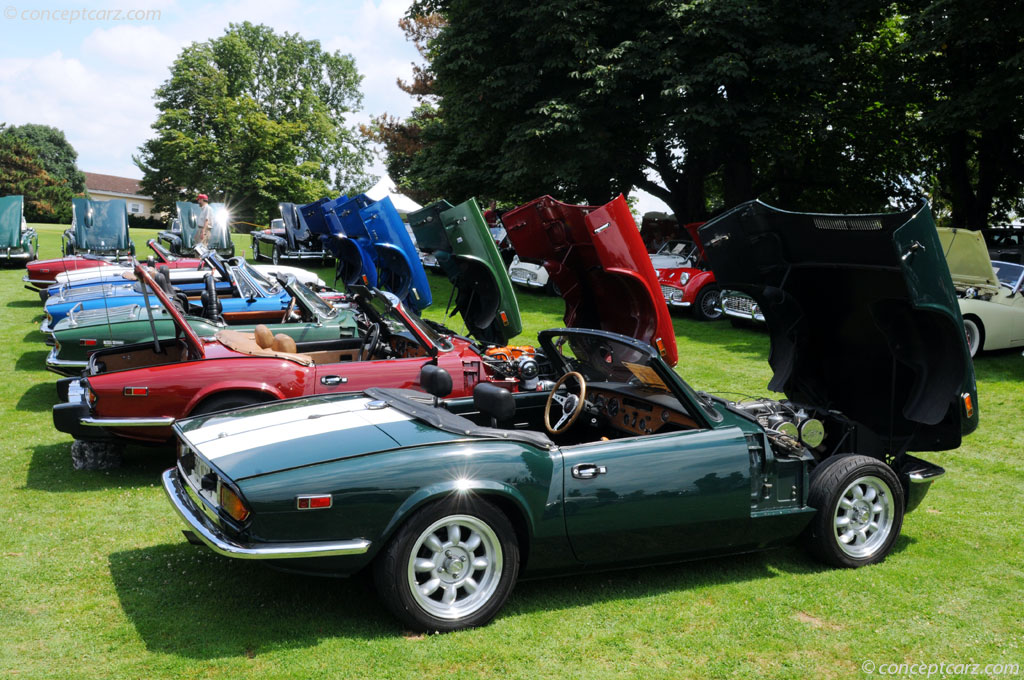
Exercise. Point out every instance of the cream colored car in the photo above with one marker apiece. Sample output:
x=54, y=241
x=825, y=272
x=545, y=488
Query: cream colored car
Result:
x=990, y=292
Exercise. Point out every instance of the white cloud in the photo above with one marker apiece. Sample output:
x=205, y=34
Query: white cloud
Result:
x=132, y=48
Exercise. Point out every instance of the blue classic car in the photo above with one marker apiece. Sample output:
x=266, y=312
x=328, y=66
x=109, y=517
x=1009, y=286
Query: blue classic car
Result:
x=18, y=243
x=98, y=228
x=241, y=295
x=296, y=239
x=620, y=462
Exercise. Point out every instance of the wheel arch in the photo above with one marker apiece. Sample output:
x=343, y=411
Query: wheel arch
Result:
x=981, y=328
x=264, y=391
x=504, y=497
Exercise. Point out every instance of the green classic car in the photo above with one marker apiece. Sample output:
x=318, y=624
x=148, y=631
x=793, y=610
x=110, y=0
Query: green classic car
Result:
x=18, y=243
x=308, y=319
x=621, y=462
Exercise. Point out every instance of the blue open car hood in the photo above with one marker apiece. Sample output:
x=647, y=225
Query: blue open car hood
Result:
x=374, y=248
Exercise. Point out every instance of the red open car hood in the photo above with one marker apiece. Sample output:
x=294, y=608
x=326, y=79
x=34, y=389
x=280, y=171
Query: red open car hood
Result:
x=596, y=258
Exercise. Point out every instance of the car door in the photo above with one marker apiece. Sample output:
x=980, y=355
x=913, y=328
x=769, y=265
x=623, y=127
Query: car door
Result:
x=657, y=496
x=349, y=376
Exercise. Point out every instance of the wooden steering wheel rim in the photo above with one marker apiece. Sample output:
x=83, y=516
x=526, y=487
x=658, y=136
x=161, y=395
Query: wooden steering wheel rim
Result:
x=579, y=406
x=288, y=310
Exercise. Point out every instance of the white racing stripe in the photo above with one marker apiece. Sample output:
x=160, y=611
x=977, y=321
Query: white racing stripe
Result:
x=294, y=432
x=228, y=427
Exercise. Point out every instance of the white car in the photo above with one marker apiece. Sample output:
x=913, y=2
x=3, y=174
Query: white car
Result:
x=114, y=272
x=528, y=274
x=675, y=255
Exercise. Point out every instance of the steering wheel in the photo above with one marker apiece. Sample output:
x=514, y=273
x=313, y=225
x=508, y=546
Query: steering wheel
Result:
x=570, y=405
x=372, y=340
x=288, y=310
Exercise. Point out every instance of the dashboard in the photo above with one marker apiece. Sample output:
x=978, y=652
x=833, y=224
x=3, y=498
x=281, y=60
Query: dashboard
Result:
x=635, y=415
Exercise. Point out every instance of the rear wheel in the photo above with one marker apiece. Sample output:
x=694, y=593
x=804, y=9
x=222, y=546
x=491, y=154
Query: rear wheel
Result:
x=975, y=334
x=860, y=511
x=256, y=251
x=451, y=566
x=708, y=305
x=275, y=255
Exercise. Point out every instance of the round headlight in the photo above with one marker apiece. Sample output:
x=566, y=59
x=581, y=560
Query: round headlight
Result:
x=683, y=278
x=812, y=432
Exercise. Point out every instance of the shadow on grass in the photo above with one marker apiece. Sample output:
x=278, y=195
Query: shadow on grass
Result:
x=32, y=361
x=34, y=335
x=50, y=469
x=721, y=334
x=1002, y=365
x=39, y=397
x=186, y=601
x=35, y=302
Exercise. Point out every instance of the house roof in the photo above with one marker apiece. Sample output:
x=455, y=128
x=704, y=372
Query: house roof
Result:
x=125, y=186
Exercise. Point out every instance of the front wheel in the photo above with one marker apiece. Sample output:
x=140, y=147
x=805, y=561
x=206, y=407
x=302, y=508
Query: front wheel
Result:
x=275, y=256
x=452, y=566
x=860, y=511
x=708, y=305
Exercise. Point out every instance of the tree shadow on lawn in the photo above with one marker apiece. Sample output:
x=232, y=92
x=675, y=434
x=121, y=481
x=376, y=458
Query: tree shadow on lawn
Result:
x=39, y=397
x=32, y=361
x=1001, y=365
x=35, y=335
x=50, y=469
x=187, y=601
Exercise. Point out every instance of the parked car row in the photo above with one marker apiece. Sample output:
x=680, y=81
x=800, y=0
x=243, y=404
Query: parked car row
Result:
x=349, y=434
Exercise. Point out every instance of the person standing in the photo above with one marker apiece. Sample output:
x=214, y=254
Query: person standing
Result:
x=205, y=219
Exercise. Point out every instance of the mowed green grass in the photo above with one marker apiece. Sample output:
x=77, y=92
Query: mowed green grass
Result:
x=97, y=581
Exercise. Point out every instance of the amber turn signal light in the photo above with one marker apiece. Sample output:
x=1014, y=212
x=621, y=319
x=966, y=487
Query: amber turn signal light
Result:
x=968, y=405
x=232, y=504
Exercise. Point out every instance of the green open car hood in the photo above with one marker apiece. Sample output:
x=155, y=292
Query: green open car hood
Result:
x=10, y=221
x=100, y=225
x=862, y=313
x=459, y=238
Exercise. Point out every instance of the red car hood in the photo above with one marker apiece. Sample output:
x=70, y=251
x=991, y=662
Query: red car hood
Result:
x=597, y=259
x=48, y=269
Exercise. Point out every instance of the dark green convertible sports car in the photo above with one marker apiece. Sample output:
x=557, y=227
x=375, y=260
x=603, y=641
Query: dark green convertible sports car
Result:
x=621, y=462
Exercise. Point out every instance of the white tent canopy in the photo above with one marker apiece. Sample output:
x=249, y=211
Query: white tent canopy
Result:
x=385, y=187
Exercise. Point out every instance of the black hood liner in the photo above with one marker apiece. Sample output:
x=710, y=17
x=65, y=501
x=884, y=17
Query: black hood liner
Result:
x=855, y=326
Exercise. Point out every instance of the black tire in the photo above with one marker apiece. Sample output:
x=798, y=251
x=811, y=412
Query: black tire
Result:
x=256, y=257
x=852, y=494
x=275, y=256
x=394, y=573
x=223, y=402
x=96, y=455
x=708, y=306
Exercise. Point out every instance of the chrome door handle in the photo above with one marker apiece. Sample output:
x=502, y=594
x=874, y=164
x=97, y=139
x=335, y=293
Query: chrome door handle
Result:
x=333, y=380
x=588, y=470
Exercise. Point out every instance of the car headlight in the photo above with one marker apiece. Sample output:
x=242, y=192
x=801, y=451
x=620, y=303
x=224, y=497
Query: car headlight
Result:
x=677, y=295
x=683, y=278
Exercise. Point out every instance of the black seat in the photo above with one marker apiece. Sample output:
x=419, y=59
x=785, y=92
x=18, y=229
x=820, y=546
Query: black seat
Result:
x=436, y=381
x=494, y=401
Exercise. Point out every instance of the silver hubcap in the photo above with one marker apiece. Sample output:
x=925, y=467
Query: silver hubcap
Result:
x=455, y=567
x=971, y=331
x=864, y=516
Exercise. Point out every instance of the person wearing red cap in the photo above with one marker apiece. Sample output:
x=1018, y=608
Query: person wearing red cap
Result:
x=205, y=219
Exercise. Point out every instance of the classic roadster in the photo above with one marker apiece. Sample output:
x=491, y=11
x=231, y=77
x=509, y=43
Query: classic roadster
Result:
x=688, y=283
x=98, y=228
x=620, y=462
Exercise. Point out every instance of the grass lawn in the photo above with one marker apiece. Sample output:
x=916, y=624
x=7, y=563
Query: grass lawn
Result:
x=97, y=581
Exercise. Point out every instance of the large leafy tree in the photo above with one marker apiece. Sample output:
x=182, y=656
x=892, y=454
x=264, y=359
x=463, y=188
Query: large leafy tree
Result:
x=47, y=199
x=54, y=152
x=701, y=103
x=968, y=59
x=255, y=117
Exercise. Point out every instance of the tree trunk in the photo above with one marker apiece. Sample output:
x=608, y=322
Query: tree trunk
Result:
x=959, y=178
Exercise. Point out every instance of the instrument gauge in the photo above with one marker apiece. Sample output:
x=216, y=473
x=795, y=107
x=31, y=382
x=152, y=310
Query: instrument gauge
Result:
x=613, y=407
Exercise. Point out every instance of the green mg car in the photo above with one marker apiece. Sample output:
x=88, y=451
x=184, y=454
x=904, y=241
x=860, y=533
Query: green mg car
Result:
x=447, y=502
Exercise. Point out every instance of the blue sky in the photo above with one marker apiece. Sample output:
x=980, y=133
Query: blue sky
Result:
x=93, y=76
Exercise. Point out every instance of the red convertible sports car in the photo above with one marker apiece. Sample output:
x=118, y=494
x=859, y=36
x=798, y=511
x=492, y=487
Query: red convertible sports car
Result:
x=135, y=392
x=692, y=287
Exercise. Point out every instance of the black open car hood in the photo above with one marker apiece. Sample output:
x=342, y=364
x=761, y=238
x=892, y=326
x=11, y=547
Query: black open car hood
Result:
x=862, y=313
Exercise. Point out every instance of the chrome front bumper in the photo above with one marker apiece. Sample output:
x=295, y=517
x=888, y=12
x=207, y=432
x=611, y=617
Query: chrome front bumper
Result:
x=741, y=307
x=185, y=503
x=64, y=366
x=526, y=282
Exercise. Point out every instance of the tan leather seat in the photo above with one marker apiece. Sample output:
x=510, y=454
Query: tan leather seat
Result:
x=264, y=338
x=284, y=343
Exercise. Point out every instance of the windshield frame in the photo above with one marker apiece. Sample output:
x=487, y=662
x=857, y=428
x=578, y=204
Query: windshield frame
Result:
x=1000, y=267
x=308, y=300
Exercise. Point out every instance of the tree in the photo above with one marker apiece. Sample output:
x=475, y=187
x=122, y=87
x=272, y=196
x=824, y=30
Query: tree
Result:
x=703, y=104
x=968, y=59
x=22, y=173
x=54, y=153
x=255, y=117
